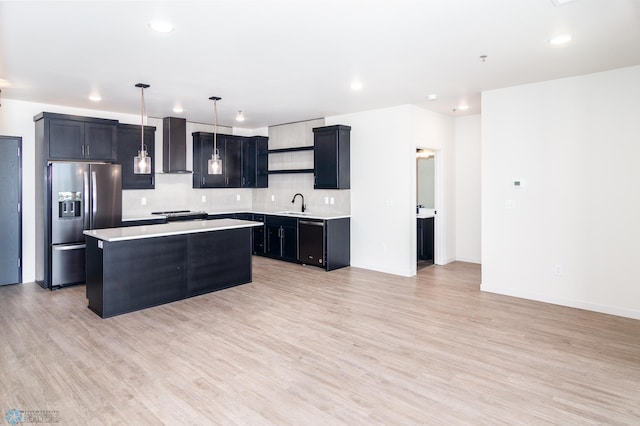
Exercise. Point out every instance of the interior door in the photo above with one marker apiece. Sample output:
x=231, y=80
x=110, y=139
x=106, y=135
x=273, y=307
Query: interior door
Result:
x=10, y=210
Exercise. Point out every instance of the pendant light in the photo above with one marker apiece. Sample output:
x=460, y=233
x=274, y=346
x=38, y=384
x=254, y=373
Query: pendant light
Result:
x=214, y=165
x=142, y=161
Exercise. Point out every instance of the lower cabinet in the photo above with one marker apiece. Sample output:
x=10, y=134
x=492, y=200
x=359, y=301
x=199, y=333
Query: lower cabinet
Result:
x=322, y=243
x=125, y=276
x=425, y=239
x=258, y=235
x=281, y=237
x=228, y=266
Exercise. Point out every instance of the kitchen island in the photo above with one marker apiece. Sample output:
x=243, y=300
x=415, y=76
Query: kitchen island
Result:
x=136, y=267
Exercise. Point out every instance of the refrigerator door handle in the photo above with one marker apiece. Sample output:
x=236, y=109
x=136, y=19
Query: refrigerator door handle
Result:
x=85, y=200
x=69, y=247
x=94, y=201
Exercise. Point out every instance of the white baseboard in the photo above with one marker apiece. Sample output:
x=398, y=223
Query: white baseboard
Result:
x=580, y=304
x=384, y=270
x=468, y=260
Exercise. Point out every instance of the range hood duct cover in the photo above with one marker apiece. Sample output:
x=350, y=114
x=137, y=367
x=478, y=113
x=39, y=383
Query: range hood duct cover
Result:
x=174, y=145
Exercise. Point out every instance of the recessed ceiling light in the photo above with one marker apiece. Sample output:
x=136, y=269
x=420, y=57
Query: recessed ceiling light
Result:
x=95, y=98
x=161, y=26
x=240, y=116
x=4, y=83
x=561, y=2
x=177, y=109
x=561, y=39
x=463, y=107
x=356, y=85
x=432, y=97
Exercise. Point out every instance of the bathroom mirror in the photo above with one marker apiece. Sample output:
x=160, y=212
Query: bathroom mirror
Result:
x=425, y=175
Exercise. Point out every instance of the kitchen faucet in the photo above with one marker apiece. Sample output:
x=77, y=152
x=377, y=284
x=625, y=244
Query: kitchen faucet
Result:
x=302, y=196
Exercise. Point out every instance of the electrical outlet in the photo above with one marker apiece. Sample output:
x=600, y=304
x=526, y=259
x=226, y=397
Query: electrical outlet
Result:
x=331, y=200
x=273, y=198
x=204, y=198
x=237, y=197
x=143, y=201
x=558, y=270
x=326, y=200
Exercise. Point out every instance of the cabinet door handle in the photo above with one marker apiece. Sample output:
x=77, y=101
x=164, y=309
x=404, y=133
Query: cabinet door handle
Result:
x=82, y=150
x=88, y=151
x=227, y=180
x=202, y=180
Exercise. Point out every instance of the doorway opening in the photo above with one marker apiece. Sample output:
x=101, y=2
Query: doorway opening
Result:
x=11, y=210
x=428, y=200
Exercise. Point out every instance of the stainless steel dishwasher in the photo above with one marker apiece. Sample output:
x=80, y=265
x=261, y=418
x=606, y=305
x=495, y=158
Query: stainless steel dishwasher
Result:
x=311, y=241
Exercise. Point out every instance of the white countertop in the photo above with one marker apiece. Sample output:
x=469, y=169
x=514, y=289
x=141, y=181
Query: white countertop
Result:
x=425, y=215
x=309, y=215
x=300, y=215
x=167, y=229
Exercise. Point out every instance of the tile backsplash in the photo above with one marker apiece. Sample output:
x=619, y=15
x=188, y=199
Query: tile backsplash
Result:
x=175, y=191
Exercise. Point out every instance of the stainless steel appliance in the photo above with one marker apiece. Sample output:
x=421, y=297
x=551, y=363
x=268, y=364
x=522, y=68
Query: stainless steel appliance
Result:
x=81, y=196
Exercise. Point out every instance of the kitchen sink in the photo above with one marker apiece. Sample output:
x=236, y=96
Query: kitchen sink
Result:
x=298, y=213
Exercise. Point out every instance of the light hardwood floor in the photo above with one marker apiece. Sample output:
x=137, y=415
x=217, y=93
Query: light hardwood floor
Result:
x=302, y=346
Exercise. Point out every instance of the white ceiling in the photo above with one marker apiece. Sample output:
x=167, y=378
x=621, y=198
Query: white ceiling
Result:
x=289, y=60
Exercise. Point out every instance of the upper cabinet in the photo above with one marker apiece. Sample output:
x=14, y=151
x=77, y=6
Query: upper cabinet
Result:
x=331, y=157
x=128, y=147
x=255, y=162
x=68, y=137
x=244, y=161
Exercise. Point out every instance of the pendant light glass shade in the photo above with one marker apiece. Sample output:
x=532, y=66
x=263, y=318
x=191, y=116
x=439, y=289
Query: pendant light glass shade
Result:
x=142, y=161
x=214, y=165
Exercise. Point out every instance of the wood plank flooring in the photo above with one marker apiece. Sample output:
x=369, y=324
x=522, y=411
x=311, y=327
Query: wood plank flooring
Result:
x=300, y=346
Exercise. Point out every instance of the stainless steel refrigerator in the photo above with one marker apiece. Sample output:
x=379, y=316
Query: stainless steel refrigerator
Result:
x=80, y=196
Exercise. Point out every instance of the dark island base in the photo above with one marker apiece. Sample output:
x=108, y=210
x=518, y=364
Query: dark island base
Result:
x=126, y=276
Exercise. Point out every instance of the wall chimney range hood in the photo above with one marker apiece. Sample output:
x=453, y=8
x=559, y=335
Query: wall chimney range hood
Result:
x=174, y=145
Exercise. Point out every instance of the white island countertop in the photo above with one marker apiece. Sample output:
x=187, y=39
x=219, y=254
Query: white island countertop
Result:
x=168, y=229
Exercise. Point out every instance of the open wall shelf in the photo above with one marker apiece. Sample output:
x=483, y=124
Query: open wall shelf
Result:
x=290, y=171
x=292, y=149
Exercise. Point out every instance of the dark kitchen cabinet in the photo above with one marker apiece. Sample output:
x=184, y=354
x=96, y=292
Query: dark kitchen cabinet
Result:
x=128, y=146
x=258, y=231
x=244, y=161
x=202, y=151
x=425, y=239
x=331, y=157
x=228, y=263
x=125, y=276
x=281, y=239
x=69, y=137
x=231, y=161
x=258, y=235
x=262, y=161
x=255, y=162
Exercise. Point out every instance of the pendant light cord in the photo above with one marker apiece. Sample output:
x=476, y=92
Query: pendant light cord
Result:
x=215, y=126
x=142, y=122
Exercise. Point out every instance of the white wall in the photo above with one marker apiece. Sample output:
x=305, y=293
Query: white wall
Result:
x=383, y=184
x=571, y=235
x=467, y=152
